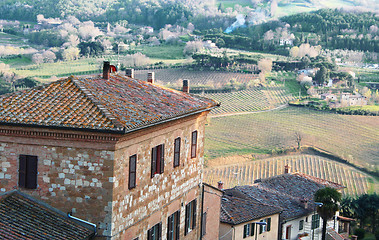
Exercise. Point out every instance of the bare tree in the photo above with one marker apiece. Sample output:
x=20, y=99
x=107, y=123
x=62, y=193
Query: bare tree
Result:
x=298, y=138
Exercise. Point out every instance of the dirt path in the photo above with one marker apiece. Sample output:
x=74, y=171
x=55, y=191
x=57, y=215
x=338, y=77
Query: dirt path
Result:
x=244, y=113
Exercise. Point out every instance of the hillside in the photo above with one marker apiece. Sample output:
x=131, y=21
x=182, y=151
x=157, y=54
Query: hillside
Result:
x=354, y=138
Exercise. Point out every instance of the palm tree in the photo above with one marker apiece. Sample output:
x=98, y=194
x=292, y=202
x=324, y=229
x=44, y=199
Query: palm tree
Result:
x=330, y=198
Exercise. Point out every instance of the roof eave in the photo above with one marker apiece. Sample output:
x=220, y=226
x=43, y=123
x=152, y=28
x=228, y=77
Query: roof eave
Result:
x=115, y=131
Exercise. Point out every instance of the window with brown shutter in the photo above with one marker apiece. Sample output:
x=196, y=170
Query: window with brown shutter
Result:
x=173, y=226
x=132, y=171
x=155, y=233
x=157, y=160
x=190, y=220
x=177, y=152
x=193, y=144
x=204, y=224
x=27, y=171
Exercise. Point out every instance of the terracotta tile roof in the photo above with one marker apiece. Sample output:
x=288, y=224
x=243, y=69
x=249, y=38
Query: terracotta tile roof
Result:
x=119, y=104
x=236, y=210
x=22, y=217
x=287, y=191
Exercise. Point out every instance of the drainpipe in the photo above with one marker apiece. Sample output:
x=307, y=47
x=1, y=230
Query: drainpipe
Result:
x=202, y=212
x=82, y=221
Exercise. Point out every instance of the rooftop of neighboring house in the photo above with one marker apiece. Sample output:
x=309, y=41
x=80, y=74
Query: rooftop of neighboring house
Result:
x=293, y=192
x=23, y=217
x=119, y=103
x=235, y=210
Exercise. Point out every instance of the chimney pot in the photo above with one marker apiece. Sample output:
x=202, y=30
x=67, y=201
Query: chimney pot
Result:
x=186, y=85
x=220, y=185
x=151, y=77
x=129, y=72
x=287, y=169
x=106, y=70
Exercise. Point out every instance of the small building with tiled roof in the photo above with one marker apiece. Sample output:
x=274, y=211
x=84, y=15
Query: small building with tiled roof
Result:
x=23, y=217
x=115, y=151
x=239, y=217
x=292, y=192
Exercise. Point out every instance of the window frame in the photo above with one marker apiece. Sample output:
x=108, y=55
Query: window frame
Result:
x=248, y=230
x=315, y=221
x=264, y=228
x=28, y=171
x=156, y=229
x=157, y=160
x=177, y=145
x=194, y=137
x=301, y=224
x=190, y=217
x=173, y=226
x=204, y=224
x=132, y=183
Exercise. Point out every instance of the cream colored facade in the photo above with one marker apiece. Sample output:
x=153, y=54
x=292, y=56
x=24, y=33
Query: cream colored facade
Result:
x=235, y=232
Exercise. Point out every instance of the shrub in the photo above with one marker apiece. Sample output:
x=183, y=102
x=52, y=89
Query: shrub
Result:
x=360, y=232
x=377, y=235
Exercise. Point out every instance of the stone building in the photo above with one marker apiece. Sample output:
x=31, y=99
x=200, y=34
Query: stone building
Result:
x=124, y=154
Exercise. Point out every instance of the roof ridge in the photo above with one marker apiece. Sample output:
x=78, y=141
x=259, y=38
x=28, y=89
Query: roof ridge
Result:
x=97, y=103
x=310, y=177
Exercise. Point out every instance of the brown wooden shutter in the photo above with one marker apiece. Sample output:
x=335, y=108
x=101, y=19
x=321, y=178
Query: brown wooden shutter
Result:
x=194, y=214
x=177, y=225
x=187, y=219
x=159, y=231
x=169, y=227
x=177, y=152
x=22, y=171
x=153, y=161
x=161, y=168
x=252, y=229
x=150, y=234
x=268, y=228
x=194, y=144
x=204, y=224
x=132, y=171
x=31, y=172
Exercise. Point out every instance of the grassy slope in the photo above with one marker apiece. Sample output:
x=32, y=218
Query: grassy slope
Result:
x=352, y=137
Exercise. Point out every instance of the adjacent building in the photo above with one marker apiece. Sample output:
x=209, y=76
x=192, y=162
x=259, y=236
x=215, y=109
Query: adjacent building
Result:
x=293, y=193
x=124, y=154
x=243, y=218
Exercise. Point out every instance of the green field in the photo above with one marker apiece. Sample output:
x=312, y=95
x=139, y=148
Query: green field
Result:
x=162, y=51
x=371, y=108
x=355, y=181
x=354, y=138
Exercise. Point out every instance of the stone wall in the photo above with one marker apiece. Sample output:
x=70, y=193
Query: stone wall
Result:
x=154, y=199
x=74, y=175
x=87, y=174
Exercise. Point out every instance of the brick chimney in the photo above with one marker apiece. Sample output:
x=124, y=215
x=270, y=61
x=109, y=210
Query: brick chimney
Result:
x=220, y=185
x=106, y=70
x=129, y=72
x=151, y=77
x=304, y=202
x=287, y=169
x=186, y=85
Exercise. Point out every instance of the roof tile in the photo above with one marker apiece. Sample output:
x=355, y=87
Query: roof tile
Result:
x=22, y=217
x=95, y=103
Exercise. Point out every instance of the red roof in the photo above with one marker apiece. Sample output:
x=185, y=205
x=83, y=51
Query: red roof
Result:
x=117, y=104
x=23, y=217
